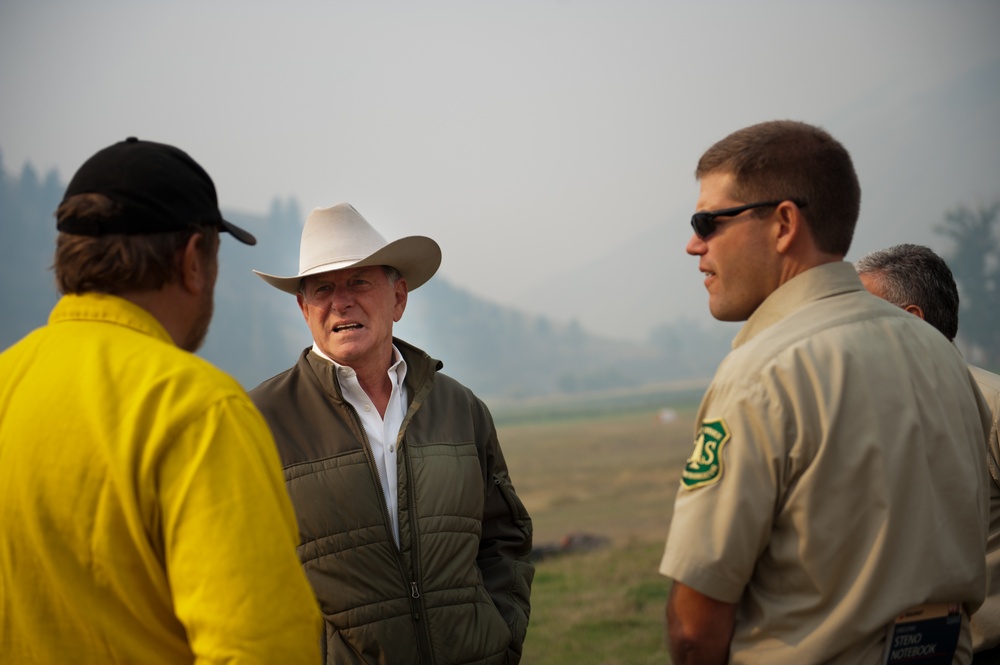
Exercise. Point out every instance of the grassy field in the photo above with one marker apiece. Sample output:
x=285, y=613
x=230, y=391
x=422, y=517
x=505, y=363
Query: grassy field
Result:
x=610, y=472
x=600, y=608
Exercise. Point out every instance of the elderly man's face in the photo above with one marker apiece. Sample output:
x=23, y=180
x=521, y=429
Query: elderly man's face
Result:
x=350, y=313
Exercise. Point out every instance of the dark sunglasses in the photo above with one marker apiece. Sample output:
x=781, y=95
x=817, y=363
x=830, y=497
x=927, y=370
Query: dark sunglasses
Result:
x=704, y=223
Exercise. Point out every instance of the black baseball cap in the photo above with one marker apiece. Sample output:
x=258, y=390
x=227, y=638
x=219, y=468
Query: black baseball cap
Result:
x=158, y=187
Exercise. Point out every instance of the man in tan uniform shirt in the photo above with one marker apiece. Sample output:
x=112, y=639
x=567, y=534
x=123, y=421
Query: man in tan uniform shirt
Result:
x=837, y=479
x=916, y=279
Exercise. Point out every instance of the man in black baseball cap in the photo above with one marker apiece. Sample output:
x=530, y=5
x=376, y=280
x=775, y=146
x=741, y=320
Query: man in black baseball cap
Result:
x=143, y=515
x=156, y=188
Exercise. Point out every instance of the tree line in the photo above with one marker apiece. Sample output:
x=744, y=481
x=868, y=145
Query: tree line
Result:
x=498, y=351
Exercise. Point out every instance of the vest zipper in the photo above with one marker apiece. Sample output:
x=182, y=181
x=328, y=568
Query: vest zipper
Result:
x=420, y=628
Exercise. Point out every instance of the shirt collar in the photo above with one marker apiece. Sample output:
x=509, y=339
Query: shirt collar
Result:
x=107, y=308
x=823, y=281
x=397, y=368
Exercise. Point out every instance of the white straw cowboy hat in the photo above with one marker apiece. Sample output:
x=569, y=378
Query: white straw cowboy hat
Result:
x=339, y=237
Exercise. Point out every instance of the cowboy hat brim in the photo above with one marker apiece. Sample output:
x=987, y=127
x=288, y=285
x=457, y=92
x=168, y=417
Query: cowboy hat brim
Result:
x=416, y=258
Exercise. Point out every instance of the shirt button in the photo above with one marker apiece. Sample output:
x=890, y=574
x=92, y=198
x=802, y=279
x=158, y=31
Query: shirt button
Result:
x=392, y=448
x=368, y=407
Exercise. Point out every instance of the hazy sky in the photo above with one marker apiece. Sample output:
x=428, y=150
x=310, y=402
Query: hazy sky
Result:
x=525, y=137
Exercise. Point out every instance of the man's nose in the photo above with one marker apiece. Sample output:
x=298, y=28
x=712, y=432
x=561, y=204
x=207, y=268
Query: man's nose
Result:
x=696, y=246
x=341, y=299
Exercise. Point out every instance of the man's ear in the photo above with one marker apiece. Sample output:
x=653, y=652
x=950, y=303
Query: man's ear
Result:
x=916, y=311
x=196, y=273
x=401, y=291
x=791, y=226
x=301, y=300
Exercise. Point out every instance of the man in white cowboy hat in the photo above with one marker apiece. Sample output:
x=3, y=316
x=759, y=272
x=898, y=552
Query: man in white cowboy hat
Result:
x=412, y=535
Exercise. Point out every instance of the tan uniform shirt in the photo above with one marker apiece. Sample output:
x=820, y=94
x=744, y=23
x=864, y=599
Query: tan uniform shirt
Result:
x=986, y=620
x=838, y=478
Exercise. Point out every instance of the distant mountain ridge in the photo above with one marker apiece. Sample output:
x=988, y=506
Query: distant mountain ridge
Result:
x=658, y=328
x=258, y=331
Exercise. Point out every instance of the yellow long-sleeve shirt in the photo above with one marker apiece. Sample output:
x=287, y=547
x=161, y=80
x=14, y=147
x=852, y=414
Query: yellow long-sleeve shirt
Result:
x=143, y=515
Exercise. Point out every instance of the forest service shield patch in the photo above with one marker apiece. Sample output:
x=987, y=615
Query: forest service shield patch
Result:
x=704, y=467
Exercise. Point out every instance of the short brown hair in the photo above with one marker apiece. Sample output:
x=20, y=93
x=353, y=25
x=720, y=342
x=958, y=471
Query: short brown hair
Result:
x=116, y=263
x=784, y=160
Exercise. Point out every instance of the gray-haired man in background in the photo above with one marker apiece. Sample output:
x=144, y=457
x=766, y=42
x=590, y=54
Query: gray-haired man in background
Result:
x=916, y=279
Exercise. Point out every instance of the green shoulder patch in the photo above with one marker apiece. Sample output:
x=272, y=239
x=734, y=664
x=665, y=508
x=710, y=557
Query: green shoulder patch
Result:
x=704, y=467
